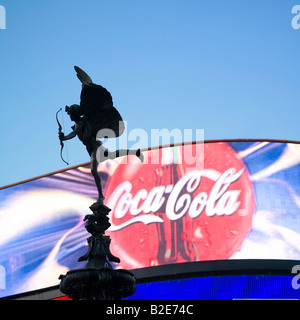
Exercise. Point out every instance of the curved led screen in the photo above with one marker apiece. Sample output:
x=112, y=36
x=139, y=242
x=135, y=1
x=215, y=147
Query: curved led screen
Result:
x=193, y=202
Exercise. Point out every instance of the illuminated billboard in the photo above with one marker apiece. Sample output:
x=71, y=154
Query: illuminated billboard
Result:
x=194, y=202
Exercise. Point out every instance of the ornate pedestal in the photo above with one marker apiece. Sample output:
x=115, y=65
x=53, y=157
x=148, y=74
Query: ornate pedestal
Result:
x=98, y=280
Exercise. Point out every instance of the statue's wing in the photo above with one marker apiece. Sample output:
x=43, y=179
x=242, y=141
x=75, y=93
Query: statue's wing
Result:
x=82, y=76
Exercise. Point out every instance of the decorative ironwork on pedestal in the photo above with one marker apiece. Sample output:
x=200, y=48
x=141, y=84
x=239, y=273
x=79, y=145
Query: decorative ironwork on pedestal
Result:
x=98, y=280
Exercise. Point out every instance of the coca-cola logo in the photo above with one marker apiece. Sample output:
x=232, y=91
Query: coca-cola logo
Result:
x=176, y=212
x=180, y=200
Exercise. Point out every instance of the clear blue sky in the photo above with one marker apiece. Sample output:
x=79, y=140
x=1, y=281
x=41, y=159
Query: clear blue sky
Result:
x=229, y=67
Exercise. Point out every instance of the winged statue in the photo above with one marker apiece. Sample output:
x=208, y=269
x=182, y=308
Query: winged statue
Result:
x=95, y=118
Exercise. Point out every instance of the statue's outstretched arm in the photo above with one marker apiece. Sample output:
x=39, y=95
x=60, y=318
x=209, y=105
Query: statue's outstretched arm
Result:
x=69, y=136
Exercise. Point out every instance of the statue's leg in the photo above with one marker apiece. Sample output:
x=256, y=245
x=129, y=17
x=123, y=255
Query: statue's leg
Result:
x=125, y=152
x=105, y=154
x=94, y=167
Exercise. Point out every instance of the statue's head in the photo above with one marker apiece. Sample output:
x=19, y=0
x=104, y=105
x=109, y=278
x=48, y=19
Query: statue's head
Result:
x=74, y=111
